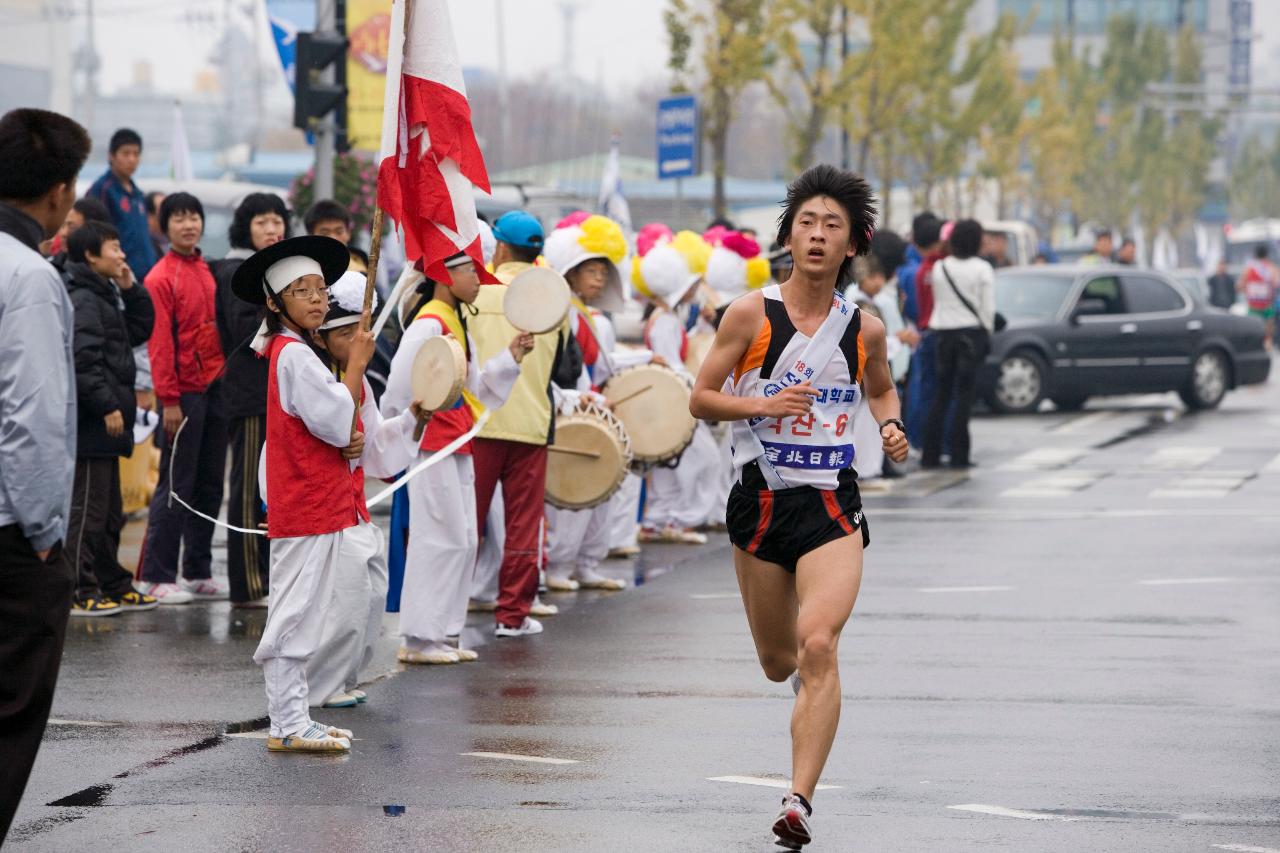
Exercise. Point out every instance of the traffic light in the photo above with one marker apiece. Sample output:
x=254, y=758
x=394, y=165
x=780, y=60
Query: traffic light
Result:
x=314, y=99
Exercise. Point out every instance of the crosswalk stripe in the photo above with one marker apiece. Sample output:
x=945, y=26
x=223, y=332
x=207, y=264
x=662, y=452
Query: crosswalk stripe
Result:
x=1180, y=458
x=1203, y=485
x=1044, y=458
x=1056, y=485
x=1083, y=422
x=1272, y=467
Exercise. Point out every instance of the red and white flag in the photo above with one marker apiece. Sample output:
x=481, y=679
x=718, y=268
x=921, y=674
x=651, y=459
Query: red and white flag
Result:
x=430, y=159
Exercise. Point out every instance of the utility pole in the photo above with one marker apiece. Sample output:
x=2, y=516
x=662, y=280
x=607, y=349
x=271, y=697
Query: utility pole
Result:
x=844, y=108
x=503, y=147
x=568, y=9
x=327, y=21
x=90, y=67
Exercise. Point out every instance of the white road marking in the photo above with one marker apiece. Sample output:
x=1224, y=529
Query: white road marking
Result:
x=764, y=781
x=1044, y=458
x=261, y=734
x=1001, y=811
x=711, y=596
x=1056, y=485
x=1204, y=485
x=1272, y=467
x=95, y=723
x=964, y=589
x=1180, y=458
x=1245, y=848
x=1083, y=422
x=1177, y=581
x=508, y=756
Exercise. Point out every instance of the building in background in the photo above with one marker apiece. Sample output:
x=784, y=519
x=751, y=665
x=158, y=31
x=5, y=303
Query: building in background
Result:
x=1224, y=27
x=37, y=64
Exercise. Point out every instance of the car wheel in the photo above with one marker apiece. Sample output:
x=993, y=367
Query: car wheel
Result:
x=1069, y=404
x=1207, y=384
x=1020, y=383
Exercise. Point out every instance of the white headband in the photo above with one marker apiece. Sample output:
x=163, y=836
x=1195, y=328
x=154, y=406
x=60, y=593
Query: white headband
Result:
x=285, y=272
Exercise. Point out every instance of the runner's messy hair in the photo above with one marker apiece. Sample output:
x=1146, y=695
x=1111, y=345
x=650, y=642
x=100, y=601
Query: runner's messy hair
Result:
x=847, y=189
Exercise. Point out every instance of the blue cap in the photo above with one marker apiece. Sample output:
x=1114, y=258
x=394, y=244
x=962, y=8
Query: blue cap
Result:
x=519, y=229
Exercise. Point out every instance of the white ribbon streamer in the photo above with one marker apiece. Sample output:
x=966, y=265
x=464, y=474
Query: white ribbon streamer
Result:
x=443, y=453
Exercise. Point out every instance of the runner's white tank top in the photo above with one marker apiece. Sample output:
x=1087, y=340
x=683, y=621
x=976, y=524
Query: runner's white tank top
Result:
x=813, y=449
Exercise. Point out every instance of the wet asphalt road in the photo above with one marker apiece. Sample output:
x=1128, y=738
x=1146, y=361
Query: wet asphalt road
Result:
x=1078, y=643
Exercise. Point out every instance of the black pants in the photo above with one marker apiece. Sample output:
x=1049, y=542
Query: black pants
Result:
x=198, y=470
x=248, y=557
x=960, y=352
x=35, y=600
x=93, y=536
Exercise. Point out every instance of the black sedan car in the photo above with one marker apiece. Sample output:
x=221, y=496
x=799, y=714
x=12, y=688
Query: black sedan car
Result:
x=1079, y=332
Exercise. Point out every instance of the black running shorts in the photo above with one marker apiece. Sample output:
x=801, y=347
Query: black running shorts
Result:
x=781, y=526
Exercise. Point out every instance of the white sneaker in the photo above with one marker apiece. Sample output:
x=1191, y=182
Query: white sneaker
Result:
x=540, y=608
x=686, y=536
x=556, y=583
x=591, y=579
x=207, y=589
x=529, y=627
x=166, y=593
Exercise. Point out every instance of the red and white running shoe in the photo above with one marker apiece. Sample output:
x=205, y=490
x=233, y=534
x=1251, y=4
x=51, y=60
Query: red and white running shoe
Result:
x=791, y=829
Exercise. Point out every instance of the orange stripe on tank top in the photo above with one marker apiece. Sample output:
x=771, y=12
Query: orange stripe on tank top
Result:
x=753, y=358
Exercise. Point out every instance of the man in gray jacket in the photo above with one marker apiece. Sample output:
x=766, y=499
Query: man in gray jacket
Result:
x=37, y=432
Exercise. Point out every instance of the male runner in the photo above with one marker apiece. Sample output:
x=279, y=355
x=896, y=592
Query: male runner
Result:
x=790, y=367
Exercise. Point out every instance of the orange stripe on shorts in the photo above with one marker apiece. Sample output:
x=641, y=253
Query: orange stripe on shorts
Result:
x=766, y=516
x=837, y=514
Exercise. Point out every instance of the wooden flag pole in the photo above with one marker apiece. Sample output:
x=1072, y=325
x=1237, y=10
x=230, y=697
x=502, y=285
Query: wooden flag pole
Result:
x=375, y=249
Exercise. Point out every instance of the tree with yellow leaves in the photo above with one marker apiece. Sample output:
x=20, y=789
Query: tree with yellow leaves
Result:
x=728, y=37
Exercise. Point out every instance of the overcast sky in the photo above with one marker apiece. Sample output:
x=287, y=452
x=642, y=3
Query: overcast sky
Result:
x=619, y=42
x=616, y=41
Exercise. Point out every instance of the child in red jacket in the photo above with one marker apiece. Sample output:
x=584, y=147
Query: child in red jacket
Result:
x=186, y=361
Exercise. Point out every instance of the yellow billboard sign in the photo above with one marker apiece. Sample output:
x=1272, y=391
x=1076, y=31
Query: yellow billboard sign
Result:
x=368, y=30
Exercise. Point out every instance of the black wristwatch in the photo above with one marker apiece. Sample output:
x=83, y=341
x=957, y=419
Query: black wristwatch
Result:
x=895, y=421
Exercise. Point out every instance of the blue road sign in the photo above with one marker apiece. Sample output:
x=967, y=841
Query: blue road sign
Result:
x=678, y=137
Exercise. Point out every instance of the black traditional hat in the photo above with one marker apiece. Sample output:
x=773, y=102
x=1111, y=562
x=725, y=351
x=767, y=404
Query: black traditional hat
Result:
x=250, y=281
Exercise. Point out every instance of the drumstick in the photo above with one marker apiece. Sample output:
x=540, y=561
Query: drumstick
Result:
x=635, y=393
x=573, y=452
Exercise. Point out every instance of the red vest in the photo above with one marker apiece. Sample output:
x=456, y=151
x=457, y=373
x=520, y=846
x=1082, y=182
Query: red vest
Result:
x=311, y=488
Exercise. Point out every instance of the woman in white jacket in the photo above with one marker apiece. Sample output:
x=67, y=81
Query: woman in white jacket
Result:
x=963, y=319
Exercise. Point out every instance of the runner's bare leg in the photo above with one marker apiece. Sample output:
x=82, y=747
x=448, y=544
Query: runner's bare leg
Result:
x=827, y=581
x=769, y=595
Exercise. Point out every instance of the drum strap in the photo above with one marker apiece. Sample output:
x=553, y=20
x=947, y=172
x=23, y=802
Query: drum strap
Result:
x=820, y=350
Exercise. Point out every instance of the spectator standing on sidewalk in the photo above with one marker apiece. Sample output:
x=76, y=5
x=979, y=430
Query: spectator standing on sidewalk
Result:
x=84, y=210
x=327, y=218
x=963, y=319
x=260, y=221
x=186, y=363
x=926, y=236
x=126, y=202
x=159, y=242
x=113, y=314
x=37, y=432
x=1222, y=287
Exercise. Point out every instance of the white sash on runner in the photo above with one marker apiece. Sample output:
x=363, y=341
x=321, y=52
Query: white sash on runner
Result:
x=821, y=347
